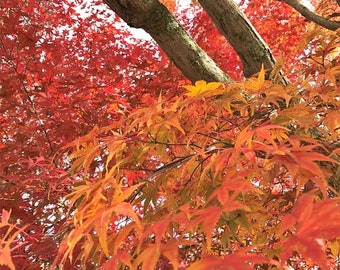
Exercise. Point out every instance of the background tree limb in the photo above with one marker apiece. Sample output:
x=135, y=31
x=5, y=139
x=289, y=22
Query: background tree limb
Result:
x=304, y=11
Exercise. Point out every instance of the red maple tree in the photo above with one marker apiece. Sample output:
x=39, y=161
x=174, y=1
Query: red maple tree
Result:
x=112, y=159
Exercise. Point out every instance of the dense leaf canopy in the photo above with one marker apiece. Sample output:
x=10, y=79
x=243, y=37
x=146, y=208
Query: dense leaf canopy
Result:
x=112, y=159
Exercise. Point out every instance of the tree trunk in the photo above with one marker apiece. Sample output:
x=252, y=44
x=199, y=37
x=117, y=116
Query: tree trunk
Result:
x=155, y=19
x=241, y=35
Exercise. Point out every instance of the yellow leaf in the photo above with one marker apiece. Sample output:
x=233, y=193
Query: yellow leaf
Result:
x=332, y=119
x=252, y=84
x=204, y=89
x=334, y=246
x=256, y=84
x=85, y=156
x=261, y=77
x=279, y=134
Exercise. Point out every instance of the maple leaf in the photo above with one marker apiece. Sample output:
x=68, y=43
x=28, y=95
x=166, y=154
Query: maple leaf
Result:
x=295, y=161
x=6, y=258
x=204, y=89
x=307, y=225
x=256, y=84
x=149, y=257
x=170, y=251
x=308, y=248
x=233, y=261
x=8, y=239
x=209, y=218
x=126, y=209
x=333, y=122
x=5, y=215
x=101, y=225
x=114, y=261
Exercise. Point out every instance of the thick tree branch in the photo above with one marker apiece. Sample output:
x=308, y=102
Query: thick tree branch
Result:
x=155, y=19
x=326, y=23
x=237, y=29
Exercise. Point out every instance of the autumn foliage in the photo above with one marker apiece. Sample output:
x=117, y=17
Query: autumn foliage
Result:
x=111, y=159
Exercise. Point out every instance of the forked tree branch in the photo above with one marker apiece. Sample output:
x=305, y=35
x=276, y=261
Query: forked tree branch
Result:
x=309, y=15
x=156, y=19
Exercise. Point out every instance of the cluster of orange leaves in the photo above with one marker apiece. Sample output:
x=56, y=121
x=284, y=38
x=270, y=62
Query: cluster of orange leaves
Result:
x=233, y=175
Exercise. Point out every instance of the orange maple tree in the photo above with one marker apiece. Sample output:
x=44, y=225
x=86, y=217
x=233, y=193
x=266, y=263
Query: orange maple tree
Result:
x=112, y=159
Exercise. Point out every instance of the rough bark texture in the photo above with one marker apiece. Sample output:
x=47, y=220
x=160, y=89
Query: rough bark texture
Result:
x=240, y=33
x=155, y=19
x=331, y=25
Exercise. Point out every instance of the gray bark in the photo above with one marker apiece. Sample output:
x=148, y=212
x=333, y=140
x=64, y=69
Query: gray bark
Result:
x=155, y=19
x=241, y=35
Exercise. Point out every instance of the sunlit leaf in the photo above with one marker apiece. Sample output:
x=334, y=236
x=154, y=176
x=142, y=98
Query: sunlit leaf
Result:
x=204, y=89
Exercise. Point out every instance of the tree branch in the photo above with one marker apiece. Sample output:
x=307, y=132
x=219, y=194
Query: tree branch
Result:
x=155, y=19
x=240, y=33
x=311, y=16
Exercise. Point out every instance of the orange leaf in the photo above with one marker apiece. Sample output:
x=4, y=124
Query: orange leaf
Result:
x=101, y=225
x=174, y=122
x=5, y=257
x=148, y=258
x=121, y=256
x=158, y=228
x=256, y=84
x=5, y=216
x=121, y=236
x=170, y=250
x=209, y=217
x=126, y=209
x=307, y=247
x=232, y=261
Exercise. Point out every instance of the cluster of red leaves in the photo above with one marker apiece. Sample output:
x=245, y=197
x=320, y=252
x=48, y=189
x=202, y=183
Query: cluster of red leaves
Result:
x=61, y=74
